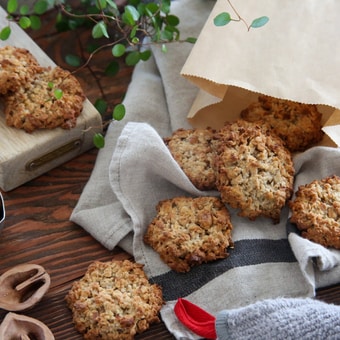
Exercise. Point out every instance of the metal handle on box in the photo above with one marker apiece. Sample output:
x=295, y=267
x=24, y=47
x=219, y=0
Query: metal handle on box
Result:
x=48, y=157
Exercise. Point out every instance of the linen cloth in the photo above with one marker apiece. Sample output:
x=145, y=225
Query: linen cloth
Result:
x=135, y=170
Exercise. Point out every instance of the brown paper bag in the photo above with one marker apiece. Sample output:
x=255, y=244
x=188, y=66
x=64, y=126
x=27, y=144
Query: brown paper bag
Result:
x=294, y=56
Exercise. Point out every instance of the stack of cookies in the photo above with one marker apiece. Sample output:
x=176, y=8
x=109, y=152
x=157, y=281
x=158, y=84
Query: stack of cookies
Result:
x=249, y=161
x=28, y=92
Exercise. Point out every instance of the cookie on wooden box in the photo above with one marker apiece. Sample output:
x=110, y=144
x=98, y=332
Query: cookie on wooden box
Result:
x=17, y=67
x=34, y=105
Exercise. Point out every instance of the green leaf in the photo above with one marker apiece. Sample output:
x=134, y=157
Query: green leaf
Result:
x=73, y=60
x=101, y=105
x=12, y=6
x=165, y=6
x=72, y=24
x=50, y=84
x=173, y=31
x=118, y=112
x=118, y=50
x=101, y=4
x=24, y=22
x=222, y=19
x=131, y=14
x=132, y=58
x=112, y=4
x=133, y=31
x=172, y=20
x=141, y=9
x=164, y=48
x=58, y=93
x=166, y=35
x=5, y=33
x=99, y=30
x=40, y=7
x=91, y=47
x=98, y=140
x=259, y=22
x=135, y=40
x=145, y=55
x=35, y=22
x=150, y=14
x=112, y=68
x=134, y=3
x=191, y=40
x=151, y=8
x=24, y=9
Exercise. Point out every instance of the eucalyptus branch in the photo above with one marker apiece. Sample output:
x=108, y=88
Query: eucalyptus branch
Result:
x=225, y=18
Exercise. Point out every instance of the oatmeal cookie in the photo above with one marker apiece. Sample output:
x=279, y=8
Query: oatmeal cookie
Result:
x=34, y=105
x=254, y=170
x=189, y=231
x=114, y=301
x=17, y=67
x=299, y=125
x=192, y=151
x=316, y=211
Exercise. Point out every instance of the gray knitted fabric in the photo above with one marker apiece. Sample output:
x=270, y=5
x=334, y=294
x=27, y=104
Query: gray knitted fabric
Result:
x=283, y=318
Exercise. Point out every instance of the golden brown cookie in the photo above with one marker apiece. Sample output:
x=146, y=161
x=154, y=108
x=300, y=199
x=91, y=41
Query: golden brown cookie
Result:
x=114, y=301
x=316, y=211
x=254, y=170
x=299, y=125
x=17, y=67
x=34, y=105
x=191, y=148
x=189, y=231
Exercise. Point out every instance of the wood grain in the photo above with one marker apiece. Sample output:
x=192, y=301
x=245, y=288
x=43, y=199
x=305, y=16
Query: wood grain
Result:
x=37, y=227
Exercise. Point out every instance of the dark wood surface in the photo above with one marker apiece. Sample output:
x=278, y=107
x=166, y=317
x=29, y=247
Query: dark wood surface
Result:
x=37, y=227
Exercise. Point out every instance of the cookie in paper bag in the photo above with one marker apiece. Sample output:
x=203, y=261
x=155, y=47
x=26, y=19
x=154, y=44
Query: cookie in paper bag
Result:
x=114, y=301
x=17, y=67
x=190, y=231
x=34, y=106
x=191, y=148
x=254, y=170
x=316, y=211
x=299, y=125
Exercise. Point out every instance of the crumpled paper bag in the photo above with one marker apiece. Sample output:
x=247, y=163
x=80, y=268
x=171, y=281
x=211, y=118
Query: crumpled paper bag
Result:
x=294, y=56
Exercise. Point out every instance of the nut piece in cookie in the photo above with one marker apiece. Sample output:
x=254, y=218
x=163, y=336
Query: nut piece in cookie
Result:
x=254, y=170
x=189, y=231
x=34, y=105
x=316, y=211
x=114, y=301
x=17, y=67
x=299, y=125
x=192, y=151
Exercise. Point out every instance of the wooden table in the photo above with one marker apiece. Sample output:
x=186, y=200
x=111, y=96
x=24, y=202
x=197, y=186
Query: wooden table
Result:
x=37, y=227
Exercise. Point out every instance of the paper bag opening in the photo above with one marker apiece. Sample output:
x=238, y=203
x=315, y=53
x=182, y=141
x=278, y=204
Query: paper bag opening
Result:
x=292, y=57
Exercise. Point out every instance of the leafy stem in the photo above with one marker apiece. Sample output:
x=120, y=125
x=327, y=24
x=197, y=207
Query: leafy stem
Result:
x=225, y=18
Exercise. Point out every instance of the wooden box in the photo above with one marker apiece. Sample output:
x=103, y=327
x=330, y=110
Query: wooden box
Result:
x=25, y=156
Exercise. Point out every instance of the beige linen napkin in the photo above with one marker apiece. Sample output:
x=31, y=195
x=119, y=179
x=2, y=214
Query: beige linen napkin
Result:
x=135, y=170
